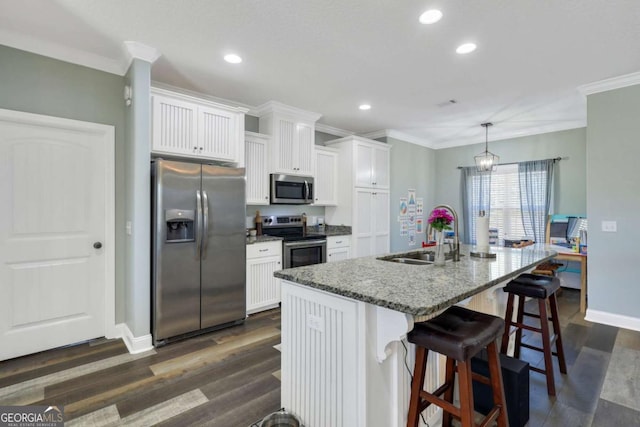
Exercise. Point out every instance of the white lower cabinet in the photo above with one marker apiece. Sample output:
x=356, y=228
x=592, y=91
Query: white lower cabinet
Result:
x=263, y=290
x=338, y=248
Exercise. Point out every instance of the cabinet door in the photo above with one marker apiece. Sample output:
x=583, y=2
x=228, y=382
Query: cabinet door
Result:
x=364, y=224
x=364, y=165
x=326, y=178
x=381, y=228
x=304, y=145
x=338, y=254
x=256, y=164
x=217, y=133
x=174, y=126
x=263, y=290
x=381, y=168
x=285, y=146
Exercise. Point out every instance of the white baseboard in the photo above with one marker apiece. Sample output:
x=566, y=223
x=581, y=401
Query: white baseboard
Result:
x=134, y=344
x=613, y=319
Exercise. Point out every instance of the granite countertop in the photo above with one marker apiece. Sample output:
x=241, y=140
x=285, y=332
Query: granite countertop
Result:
x=262, y=239
x=417, y=289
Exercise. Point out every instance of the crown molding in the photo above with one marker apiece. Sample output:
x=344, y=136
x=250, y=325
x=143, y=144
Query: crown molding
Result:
x=193, y=96
x=321, y=127
x=610, y=84
x=402, y=136
x=278, y=107
x=62, y=53
x=136, y=50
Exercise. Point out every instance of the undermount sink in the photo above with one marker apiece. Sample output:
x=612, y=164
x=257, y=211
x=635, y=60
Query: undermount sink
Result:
x=416, y=258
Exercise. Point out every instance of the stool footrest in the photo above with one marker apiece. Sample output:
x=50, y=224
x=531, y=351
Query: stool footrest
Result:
x=491, y=416
x=434, y=399
x=536, y=316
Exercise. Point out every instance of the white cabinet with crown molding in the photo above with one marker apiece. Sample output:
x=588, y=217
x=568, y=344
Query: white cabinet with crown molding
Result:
x=363, y=194
x=293, y=137
x=187, y=126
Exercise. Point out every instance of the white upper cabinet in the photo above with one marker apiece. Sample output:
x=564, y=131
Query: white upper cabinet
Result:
x=293, y=136
x=372, y=165
x=187, y=126
x=326, y=179
x=257, y=169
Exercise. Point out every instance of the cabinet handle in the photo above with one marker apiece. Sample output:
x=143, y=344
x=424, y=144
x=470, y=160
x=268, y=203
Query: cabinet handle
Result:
x=200, y=148
x=278, y=262
x=266, y=197
x=338, y=242
x=195, y=148
x=263, y=250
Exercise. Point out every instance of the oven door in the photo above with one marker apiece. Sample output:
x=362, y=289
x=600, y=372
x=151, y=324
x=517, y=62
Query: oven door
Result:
x=304, y=252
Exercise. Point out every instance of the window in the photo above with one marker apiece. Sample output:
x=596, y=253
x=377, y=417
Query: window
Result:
x=517, y=197
x=505, y=213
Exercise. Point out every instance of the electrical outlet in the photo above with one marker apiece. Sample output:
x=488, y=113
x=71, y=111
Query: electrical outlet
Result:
x=609, y=226
x=315, y=322
x=128, y=228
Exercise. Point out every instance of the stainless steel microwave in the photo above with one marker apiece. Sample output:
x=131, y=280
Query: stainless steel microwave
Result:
x=291, y=189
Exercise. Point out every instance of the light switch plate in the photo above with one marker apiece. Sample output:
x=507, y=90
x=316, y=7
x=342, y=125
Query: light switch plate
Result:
x=128, y=228
x=315, y=322
x=609, y=226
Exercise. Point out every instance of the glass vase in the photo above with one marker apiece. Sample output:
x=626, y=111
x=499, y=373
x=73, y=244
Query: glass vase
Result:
x=439, y=255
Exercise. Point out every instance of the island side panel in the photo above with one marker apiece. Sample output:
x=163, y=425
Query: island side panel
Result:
x=323, y=373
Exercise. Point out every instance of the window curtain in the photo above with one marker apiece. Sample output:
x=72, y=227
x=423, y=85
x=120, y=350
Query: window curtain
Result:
x=476, y=197
x=536, y=178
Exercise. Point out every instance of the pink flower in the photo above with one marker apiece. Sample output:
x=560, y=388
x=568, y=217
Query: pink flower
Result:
x=440, y=219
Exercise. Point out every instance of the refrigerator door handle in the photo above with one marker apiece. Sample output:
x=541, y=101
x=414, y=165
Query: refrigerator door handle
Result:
x=205, y=223
x=198, y=223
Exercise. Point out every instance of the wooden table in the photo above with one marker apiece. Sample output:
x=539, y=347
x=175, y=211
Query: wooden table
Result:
x=566, y=254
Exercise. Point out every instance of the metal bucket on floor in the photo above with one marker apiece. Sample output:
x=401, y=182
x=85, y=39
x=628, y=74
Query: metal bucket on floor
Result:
x=281, y=418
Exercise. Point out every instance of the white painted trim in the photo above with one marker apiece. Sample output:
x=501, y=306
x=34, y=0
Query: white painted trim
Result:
x=321, y=127
x=62, y=53
x=610, y=84
x=357, y=138
x=278, y=107
x=108, y=136
x=137, y=50
x=200, y=99
x=134, y=344
x=613, y=319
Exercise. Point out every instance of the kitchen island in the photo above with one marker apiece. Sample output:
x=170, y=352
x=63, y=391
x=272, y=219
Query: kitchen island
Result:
x=344, y=326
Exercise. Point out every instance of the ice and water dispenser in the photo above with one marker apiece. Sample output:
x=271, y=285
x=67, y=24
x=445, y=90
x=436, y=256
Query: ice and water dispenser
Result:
x=180, y=225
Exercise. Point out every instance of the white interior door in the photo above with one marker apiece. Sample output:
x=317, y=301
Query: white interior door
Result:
x=56, y=244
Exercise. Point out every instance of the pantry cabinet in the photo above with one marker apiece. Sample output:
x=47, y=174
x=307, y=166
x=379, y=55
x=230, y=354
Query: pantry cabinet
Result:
x=257, y=169
x=363, y=194
x=326, y=178
x=293, y=137
x=263, y=290
x=187, y=126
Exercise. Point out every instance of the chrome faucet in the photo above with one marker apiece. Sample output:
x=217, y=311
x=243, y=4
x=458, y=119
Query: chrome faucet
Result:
x=455, y=250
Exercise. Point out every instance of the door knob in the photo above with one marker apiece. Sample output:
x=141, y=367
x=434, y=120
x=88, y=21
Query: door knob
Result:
x=97, y=245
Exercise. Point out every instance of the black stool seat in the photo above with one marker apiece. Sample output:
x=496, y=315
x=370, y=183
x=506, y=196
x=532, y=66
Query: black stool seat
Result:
x=458, y=333
x=533, y=285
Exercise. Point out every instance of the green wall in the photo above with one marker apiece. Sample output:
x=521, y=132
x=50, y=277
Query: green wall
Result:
x=36, y=84
x=613, y=150
x=570, y=196
x=412, y=167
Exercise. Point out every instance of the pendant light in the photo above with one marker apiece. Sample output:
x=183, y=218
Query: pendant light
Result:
x=486, y=161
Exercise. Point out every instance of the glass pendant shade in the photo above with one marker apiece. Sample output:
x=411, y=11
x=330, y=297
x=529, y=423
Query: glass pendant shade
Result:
x=486, y=161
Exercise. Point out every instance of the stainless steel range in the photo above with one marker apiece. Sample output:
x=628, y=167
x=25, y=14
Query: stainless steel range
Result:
x=298, y=248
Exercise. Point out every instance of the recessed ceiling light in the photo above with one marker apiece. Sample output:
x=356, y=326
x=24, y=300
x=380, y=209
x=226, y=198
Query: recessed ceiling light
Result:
x=466, y=48
x=365, y=107
x=430, y=16
x=232, y=58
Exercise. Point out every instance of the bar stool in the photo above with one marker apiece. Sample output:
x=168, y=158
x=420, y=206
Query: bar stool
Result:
x=542, y=288
x=459, y=334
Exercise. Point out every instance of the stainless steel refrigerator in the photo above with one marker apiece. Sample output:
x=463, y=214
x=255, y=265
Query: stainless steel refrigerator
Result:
x=198, y=248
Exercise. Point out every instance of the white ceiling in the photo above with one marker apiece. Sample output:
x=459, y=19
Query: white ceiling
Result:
x=329, y=56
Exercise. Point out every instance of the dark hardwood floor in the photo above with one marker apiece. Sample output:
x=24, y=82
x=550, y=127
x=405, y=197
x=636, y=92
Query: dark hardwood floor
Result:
x=224, y=378
x=231, y=378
